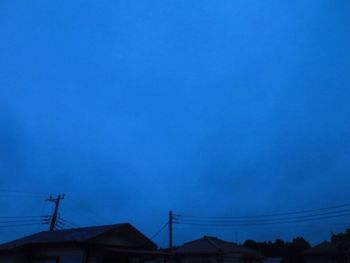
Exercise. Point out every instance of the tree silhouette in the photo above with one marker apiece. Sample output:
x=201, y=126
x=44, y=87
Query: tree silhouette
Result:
x=342, y=240
x=290, y=252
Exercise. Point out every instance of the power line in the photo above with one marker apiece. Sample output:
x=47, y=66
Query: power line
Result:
x=9, y=217
x=265, y=215
x=160, y=230
x=295, y=217
x=19, y=192
x=14, y=220
x=86, y=211
x=276, y=219
x=66, y=222
x=18, y=225
x=60, y=225
x=262, y=223
x=19, y=221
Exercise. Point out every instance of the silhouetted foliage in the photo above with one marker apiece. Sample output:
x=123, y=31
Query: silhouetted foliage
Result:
x=342, y=240
x=290, y=252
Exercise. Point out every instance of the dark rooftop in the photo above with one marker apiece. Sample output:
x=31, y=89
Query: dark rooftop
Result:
x=77, y=235
x=325, y=248
x=214, y=245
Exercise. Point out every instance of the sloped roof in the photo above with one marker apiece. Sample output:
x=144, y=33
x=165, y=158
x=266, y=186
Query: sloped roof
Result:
x=214, y=245
x=76, y=235
x=325, y=248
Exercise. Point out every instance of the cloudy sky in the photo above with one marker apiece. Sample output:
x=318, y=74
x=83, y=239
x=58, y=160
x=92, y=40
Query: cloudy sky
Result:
x=207, y=108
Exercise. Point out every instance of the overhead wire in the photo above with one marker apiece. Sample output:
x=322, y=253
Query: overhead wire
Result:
x=160, y=230
x=264, y=223
x=20, y=221
x=27, y=216
x=12, y=222
x=18, y=225
x=267, y=219
x=66, y=222
x=267, y=215
x=20, y=192
x=85, y=211
x=262, y=220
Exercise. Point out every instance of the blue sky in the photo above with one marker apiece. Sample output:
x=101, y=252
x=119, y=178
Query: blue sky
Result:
x=202, y=107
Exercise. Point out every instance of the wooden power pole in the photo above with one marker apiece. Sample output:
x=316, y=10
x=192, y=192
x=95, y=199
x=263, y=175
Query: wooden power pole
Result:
x=56, y=201
x=170, y=230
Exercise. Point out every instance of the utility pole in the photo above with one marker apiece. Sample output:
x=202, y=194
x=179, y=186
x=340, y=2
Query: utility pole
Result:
x=170, y=230
x=56, y=201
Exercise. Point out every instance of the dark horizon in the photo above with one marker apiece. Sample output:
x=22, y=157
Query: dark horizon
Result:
x=296, y=219
x=226, y=109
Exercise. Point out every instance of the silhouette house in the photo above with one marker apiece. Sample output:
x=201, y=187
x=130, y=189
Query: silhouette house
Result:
x=325, y=252
x=213, y=250
x=98, y=244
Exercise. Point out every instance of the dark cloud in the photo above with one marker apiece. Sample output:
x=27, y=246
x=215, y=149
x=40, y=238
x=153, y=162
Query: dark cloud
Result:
x=131, y=110
x=12, y=161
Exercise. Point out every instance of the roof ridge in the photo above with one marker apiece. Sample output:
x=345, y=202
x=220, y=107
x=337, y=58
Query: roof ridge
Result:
x=86, y=227
x=20, y=238
x=192, y=241
x=81, y=234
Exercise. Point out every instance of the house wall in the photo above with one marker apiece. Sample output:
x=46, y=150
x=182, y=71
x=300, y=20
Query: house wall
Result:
x=198, y=259
x=272, y=260
x=46, y=255
x=12, y=259
x=70, y=253
x=237, y=258
x=320, y=260
x=213, y=259
x=66, y=255
x=323, y=260
x=94, y=259
x=116, y=241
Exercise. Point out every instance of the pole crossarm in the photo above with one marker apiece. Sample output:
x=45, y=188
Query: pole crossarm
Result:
x=56, y=201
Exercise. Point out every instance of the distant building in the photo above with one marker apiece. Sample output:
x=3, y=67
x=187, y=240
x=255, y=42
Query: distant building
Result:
x=99, y=244
x=214, y=250
x=325, y=252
